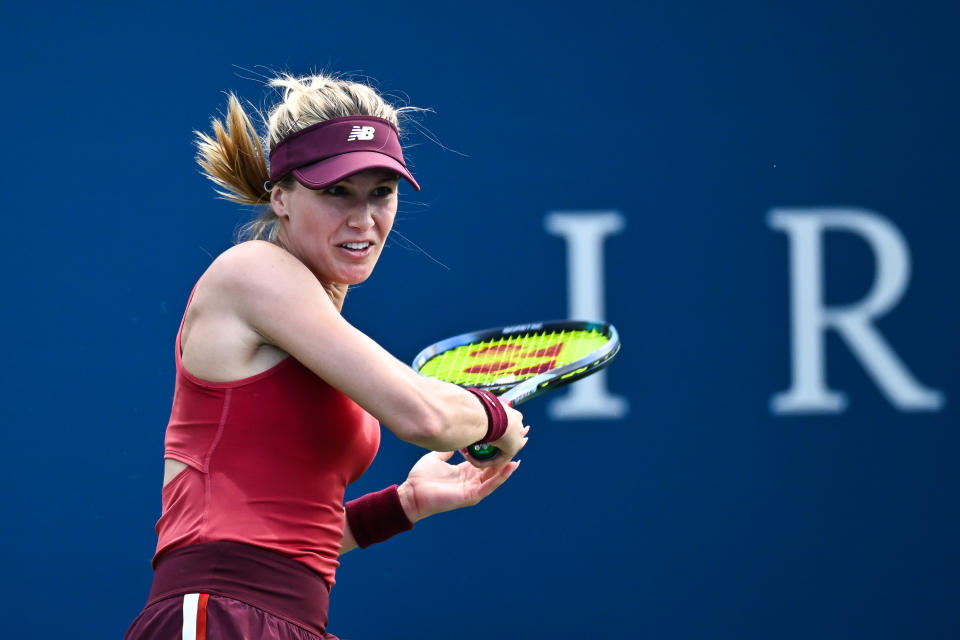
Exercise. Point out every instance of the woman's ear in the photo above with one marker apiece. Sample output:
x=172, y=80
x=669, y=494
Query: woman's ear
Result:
x=279, y=198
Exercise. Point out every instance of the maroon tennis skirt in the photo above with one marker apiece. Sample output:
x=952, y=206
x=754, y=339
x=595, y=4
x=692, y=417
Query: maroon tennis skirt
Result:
x=229, y=590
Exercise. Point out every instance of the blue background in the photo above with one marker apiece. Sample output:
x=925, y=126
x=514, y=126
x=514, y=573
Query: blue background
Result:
x=699, y=515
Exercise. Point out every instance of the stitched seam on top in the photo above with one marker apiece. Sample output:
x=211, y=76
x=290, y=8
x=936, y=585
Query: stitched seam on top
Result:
x=206, y=460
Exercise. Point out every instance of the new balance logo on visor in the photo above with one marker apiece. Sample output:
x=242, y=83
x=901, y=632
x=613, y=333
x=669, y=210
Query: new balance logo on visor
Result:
x=361, y=133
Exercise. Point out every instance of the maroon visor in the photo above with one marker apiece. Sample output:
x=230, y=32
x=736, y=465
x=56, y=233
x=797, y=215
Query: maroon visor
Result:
x=327, y=152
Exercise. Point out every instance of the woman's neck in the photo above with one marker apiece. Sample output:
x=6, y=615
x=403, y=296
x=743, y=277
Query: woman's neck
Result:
x=337, y=293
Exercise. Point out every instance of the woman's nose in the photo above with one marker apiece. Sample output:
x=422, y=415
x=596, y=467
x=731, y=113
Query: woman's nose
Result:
x=361, y=217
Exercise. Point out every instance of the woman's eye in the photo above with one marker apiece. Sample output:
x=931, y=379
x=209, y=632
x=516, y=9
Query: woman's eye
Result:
x=382, y=192
x=336, y=190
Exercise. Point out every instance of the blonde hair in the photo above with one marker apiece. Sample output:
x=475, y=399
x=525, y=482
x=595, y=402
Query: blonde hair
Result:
x=233, y=156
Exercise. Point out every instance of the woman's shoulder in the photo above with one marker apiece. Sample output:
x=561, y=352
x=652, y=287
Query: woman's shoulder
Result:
x=252, y=263
x=251, y=250
x=257, y=274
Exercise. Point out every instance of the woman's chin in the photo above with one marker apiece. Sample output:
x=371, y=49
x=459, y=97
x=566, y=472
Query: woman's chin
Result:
x=351, y=277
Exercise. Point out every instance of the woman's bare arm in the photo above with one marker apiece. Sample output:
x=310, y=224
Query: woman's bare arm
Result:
x=279, y=298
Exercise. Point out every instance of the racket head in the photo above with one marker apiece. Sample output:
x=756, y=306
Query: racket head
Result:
x=520, y=362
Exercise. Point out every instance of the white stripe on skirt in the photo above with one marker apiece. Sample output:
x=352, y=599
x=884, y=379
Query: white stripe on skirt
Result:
x=190, y=602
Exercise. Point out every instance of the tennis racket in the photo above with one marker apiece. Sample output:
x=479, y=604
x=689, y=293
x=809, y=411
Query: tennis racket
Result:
x=520, y=362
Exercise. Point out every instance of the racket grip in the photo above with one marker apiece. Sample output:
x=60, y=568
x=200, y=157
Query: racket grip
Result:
x=482, y=451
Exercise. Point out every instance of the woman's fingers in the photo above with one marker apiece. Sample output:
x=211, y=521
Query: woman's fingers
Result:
x=491, y=484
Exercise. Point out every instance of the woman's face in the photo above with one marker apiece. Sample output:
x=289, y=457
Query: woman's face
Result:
x=339, y=232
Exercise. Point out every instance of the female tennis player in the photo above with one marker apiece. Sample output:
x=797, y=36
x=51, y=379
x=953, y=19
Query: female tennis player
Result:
x=277, y=398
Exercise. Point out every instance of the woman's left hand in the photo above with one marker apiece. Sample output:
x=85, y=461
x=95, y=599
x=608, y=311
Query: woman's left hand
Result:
x=434, y=485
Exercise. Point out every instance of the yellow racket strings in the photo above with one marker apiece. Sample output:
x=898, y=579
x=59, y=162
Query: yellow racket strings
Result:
x=512, y=359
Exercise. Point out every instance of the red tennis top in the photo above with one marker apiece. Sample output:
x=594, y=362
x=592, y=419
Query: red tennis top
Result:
x=269, y=458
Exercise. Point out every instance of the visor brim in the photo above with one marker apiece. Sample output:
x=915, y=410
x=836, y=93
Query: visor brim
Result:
x=320, y=175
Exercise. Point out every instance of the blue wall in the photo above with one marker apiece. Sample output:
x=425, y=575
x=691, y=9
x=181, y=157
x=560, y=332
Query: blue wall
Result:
x=701, y=514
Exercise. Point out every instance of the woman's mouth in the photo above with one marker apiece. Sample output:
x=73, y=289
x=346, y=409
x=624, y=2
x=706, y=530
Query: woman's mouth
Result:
x=358, y=249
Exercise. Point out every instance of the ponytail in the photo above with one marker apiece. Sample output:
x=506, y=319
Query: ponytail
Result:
x=233, y=157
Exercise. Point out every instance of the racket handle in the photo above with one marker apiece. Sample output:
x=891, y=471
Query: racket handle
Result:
x=484, y=451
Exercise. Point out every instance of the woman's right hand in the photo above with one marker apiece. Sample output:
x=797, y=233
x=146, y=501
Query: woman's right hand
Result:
x=509, y=444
